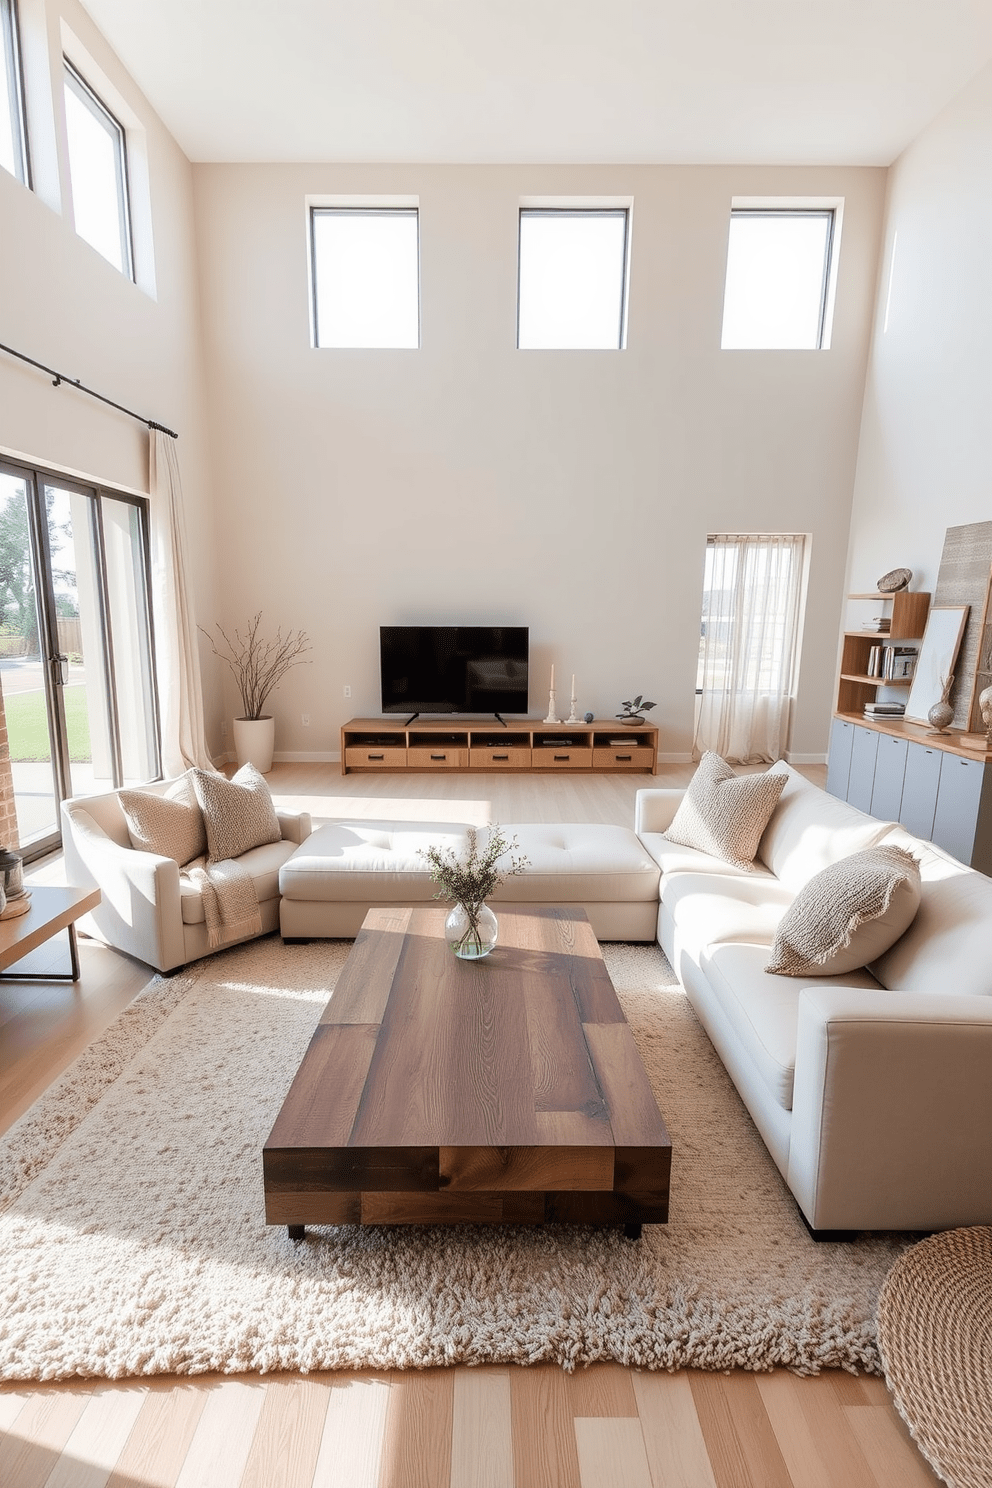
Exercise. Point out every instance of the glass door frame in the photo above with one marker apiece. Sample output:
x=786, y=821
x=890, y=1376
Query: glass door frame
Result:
x=36, y=478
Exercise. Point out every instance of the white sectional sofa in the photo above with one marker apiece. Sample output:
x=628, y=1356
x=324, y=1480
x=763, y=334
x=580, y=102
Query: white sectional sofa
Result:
x=872, y=1091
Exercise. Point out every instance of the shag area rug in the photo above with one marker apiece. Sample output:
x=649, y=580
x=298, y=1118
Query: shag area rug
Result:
x=133, y=1239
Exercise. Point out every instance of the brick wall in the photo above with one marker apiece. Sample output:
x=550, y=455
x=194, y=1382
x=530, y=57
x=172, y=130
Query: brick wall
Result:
x=8, y=813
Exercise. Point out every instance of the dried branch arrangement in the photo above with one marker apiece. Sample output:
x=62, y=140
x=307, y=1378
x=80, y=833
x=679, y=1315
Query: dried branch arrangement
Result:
x=470, y=880
x=259, y=665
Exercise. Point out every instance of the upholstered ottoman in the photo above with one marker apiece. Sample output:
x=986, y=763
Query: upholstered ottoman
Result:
x=345, y=868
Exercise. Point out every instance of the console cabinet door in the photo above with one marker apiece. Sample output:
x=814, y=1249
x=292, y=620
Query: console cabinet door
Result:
x=890, y=772
x=839, y=759
x=862, y=781
x=959, y=797
x=919, y=791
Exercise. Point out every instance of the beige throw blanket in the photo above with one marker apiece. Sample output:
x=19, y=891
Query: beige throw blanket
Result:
x=230, y=899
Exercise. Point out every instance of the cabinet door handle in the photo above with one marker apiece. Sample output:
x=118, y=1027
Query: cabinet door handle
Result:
x=501, y=756
x=627, y=757
x=439, y=756
x=377, y=756
x=563, y=756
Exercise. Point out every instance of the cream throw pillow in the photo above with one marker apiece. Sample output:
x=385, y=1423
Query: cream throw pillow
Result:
x=170, y=825
x=848, y=913
x=238, y=813
x=724, y=814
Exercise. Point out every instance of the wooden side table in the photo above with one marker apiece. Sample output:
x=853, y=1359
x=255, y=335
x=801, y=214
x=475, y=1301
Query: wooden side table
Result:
x=53, y=908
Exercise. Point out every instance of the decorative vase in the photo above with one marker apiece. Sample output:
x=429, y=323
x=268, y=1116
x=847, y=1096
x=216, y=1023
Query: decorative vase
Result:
x=11, y=873
x=254, y=741
x=632, y=722
x=940, y=716
x=469, y=935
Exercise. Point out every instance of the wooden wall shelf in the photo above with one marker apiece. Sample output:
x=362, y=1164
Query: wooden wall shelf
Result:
x=432, y=746
x=908, y=622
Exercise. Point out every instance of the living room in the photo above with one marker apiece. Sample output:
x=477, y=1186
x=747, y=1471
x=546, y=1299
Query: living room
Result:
x=467, y=481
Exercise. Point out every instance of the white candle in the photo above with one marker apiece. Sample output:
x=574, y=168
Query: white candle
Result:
x=573, y=684
x=552, y=676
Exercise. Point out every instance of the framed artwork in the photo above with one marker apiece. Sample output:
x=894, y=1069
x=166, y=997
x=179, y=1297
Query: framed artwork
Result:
x=938, y=656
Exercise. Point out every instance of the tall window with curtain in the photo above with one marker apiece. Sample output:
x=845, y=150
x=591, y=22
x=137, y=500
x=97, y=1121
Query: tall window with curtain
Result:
x=752, y=597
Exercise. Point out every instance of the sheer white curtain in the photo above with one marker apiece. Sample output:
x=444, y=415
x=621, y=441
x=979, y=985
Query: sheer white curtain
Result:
x=176, y=655
x=751, y=596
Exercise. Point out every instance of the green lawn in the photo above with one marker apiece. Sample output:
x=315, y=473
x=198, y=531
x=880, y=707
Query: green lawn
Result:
x=27, y=726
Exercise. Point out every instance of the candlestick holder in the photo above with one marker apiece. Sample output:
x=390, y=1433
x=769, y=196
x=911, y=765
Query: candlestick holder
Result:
x=572, y=716
x=552, y=716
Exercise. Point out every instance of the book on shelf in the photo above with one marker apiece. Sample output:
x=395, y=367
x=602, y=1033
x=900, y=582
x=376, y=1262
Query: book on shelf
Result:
x=881, y=625
x=884, y=710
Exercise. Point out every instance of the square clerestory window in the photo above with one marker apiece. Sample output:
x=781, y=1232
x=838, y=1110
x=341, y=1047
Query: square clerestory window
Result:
x=572, y=278
x=781, y=266
x=98, y=173
x=365, y=277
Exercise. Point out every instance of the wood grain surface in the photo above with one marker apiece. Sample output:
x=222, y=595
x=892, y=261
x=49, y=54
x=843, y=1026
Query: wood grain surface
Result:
x=506, y=1090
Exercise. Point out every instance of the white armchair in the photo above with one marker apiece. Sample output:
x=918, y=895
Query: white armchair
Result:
x=144, y=909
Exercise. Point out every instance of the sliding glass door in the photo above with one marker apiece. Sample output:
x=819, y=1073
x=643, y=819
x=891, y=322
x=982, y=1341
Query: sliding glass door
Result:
x=76, y=666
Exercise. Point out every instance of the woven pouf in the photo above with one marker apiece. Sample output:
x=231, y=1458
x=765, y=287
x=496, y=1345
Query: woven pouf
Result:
x=935, y=1338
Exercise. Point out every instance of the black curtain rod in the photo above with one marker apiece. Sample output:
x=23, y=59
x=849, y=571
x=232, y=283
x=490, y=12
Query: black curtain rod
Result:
x=59, y=377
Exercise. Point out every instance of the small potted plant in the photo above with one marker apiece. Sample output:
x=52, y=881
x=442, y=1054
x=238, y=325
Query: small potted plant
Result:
x=634, y=711
x=471, y=928
x=258, y=666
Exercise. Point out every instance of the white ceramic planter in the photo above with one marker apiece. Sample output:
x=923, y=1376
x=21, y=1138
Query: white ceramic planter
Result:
x=254, y=741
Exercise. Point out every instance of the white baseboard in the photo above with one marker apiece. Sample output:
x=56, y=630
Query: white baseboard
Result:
x=675, y=759
x=307, y=756
x=805, y=759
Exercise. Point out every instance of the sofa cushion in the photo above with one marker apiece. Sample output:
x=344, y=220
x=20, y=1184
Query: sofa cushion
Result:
x=809, y=829
x=375, y=860
x=848, y=914
x=672, y=857
x=169, y=824
x=708, y=909
x=946, y=948
x=725, y=814
x=238, y=813
x=263, y=863
x=764, y=1010
x=567, y=862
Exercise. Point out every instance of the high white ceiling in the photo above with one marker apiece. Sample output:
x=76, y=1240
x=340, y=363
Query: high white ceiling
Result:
x=685, y=81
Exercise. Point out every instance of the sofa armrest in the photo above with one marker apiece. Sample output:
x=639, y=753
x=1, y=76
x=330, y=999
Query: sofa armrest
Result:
x=296, y=826
x=140, y=911
x=892, y=1109
x=654, y=810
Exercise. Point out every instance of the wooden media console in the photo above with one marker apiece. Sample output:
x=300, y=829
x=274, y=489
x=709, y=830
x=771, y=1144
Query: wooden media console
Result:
x=431, y=745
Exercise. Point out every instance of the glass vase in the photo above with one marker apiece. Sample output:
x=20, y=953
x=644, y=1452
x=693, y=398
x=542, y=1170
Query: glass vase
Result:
x=471, y=932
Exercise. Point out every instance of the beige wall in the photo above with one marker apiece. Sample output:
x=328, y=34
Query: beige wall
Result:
x=469, y=482
x=926, y=453
x=65, y=306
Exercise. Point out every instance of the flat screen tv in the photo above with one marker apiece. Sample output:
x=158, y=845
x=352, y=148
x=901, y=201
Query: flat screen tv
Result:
x=454, y=668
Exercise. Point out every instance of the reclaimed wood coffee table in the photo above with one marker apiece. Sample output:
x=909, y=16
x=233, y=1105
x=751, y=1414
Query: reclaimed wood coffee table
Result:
x=438, y=1091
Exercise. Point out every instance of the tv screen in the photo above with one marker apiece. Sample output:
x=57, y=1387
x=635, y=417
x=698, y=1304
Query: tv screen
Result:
x=454, y=668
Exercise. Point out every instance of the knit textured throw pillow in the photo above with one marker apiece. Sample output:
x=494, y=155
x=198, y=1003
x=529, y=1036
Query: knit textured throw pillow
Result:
x=170, y=825
x=848, y=913
x=724, y=814
x=238, y=813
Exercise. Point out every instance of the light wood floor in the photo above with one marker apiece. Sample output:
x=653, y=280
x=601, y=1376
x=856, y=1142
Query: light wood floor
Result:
x=605, y=1427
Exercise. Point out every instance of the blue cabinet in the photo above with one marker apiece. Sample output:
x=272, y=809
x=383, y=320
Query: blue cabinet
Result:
x=890, y=773
x=862, y=779
x=839, y=759
x=919, y=790
x=959, y=814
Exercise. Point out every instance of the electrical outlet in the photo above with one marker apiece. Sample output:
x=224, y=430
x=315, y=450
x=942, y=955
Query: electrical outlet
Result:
x=305, y=718
x=347, y=691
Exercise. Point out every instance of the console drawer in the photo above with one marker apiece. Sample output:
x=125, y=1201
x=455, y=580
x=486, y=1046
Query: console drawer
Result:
x=507, y=758
x=374, y=757
x=564, y=757
x=631, y=757
x=436, y=757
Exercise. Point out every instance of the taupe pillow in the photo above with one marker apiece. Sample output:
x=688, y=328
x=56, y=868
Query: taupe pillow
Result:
x=848, y=913
x=238, y=813
x=724, y=814
x=170, y=825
